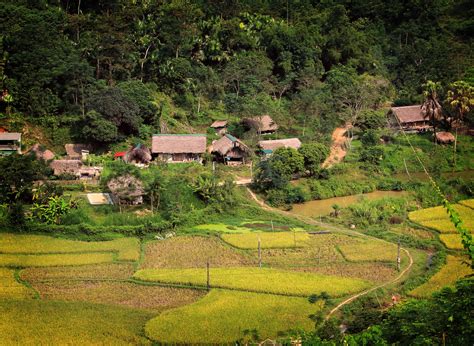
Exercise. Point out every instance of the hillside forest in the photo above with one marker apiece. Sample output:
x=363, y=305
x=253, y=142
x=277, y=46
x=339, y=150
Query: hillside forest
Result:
x=107, y=71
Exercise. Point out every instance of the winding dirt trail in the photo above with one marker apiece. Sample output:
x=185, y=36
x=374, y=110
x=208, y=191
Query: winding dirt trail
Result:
x=342, y=230
x=338, y=146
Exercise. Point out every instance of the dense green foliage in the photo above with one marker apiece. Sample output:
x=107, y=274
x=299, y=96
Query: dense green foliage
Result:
x=122, y=68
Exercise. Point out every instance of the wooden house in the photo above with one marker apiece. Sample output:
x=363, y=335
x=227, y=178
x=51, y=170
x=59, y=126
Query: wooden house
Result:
x=10, y=143
x=269, y=146
x=77, y=151
x=75, y=168
x=230, y=150
x=178, y=147
x=220, y=126
x=263, y=124
x=410, y=118
x=41, y=153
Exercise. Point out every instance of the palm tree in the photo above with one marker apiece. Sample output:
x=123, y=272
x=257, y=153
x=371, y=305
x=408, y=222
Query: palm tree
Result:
x=461, y=99
x=431, y=108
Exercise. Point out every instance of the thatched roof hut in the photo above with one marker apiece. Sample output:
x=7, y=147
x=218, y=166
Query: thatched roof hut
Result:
x=179, y=147
x=262, y=124
x=445, y=137
x=41, y=153
x=138, y=154
x=410, y=118
x=220, y=126
x=127, y=189
x=230, y=149
x=61, y=167
x=75, y=151
x=271, y=145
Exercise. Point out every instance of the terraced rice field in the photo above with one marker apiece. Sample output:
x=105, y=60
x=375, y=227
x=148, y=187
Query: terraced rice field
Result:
x=369, y=250
x=222, y=228
x=105, y=271
x=128, y=249
x=10, y=287
x=454, y=269
x=268, y=240
x=34, y=322
x=468, y=203
x=46, y=260
x=451, y=241
x=153, y=298
x=437, y=218
x=223, y=316
x=257, y=280
x=193, y=252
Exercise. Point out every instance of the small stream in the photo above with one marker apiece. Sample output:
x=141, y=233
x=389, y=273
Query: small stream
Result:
x=324, y=206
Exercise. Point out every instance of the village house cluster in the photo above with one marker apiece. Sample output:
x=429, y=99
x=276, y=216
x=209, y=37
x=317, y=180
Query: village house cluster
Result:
x=175, y=148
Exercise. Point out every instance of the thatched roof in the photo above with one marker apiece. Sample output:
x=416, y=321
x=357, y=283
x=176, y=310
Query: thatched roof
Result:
x=41, y=153
x=74, y=151
x=280, y=143
x=66, y=166
x=408, y=114
x=263, y=123
x=126, y=186
x=10, y=136
x=178, y=144
x=445, y=137
x=219, y=123
x=227, y=143
x=138, y=154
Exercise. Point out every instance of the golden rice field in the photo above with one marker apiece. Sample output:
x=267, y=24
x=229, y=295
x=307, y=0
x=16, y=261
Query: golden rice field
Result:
x=268, y=240
x=451, y=241
x=468, y=203
x=153, y=298
x=104, y=271
x=128, y=249
x=257, y=280
x=221, y=317
x=10, y=288
x=45, y=260
x=453, y=270
x=369, y=250
x=38, y=322
x=192, y=252
x=437, y=218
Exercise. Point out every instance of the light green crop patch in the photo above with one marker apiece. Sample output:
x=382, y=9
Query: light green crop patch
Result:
x=10, y=288
x=222, y=317
x=222, y=228
x=128, y=249
x=257, y=280
x=46, y=260
x=268, y=240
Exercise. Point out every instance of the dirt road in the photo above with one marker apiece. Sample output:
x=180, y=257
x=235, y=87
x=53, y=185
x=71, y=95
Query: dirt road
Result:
x=338, y=147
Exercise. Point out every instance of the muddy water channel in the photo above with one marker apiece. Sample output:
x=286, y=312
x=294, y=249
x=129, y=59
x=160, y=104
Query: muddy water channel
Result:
x=324, y=206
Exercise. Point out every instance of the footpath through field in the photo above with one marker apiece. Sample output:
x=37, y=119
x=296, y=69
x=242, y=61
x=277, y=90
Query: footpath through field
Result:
x=338, y=146
x=342, y=230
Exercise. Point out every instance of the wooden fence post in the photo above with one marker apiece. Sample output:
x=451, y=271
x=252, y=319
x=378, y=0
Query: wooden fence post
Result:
x=398, y=255
x=259, y=254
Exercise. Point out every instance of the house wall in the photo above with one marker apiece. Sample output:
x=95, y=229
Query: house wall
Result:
x=181, y=157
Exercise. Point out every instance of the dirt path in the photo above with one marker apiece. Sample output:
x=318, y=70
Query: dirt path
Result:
x=342, y=230
x=338, y=147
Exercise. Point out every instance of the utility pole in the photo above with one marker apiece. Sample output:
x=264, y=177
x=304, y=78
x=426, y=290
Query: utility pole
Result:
x=259, y=254
x=208, y=276
x=398, y=255
x=271, y=221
